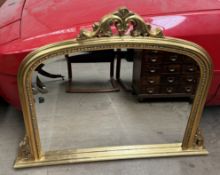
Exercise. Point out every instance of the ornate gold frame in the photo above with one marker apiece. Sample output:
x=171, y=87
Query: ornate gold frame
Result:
x=102, y=37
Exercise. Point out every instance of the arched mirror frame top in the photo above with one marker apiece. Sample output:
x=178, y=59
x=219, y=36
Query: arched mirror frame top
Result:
x=102, y=38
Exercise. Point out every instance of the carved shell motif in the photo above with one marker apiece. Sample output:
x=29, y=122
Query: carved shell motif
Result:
x=121, y=20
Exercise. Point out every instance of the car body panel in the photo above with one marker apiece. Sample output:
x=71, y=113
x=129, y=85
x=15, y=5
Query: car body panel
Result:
x=10, y=16
x=44, y=22
x=53, y=15
x=9, y=90
x=12, y=31
x=11, y=11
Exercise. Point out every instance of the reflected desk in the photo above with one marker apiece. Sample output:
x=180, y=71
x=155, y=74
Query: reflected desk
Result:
x=92, y=57
x=160, y=74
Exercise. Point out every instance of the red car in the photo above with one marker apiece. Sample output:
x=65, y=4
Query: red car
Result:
x=26, y=25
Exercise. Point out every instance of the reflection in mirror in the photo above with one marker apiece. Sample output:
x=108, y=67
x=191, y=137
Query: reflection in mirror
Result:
x=83, y=102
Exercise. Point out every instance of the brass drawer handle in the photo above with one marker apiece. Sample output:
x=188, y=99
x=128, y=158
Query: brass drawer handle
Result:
x=189, y=79
x=152, y=70
x=169, y=90
x=150, y=91
x=188, y=89
x=153, y=60
x=191, y=69
x=173, y=58
x=172, y=69
x=170, y=79
x=151, y=81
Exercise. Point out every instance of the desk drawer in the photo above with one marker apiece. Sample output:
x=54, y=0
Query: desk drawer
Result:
x=190, y=78
x=172, y=68
x=151, y=69
x=169, y=89
x=190, y=89
x=190, y=68
x=172, y=58
x=170, y=79
x=150, y=90
x=151, y=80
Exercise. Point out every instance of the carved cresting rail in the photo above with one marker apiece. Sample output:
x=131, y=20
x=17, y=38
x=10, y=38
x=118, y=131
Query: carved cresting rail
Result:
x=121, y=29
x=122, y=20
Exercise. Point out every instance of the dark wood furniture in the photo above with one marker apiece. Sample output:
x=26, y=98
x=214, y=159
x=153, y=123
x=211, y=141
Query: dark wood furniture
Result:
x=92, y=57
x=40, y=86
x=127, y=54
x=159, y=74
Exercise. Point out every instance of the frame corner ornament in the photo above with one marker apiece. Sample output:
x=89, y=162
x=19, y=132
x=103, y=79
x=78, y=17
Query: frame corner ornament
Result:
x=24, y=152
x=122, y=20
x=198, y=139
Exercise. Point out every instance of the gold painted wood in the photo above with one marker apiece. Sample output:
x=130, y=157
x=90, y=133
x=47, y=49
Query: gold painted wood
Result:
x=30, y=153
x=122, y=19
x=110, y=153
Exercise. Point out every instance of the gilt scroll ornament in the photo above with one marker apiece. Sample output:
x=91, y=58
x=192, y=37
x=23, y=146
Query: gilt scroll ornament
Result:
x=122, y=20
x=198, y=139
x=24, y=149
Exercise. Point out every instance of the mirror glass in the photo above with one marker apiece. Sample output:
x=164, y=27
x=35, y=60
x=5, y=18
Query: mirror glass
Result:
x=113, y=98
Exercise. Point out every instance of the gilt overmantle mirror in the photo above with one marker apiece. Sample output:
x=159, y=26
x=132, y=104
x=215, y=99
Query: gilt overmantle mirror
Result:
x=120, y=91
